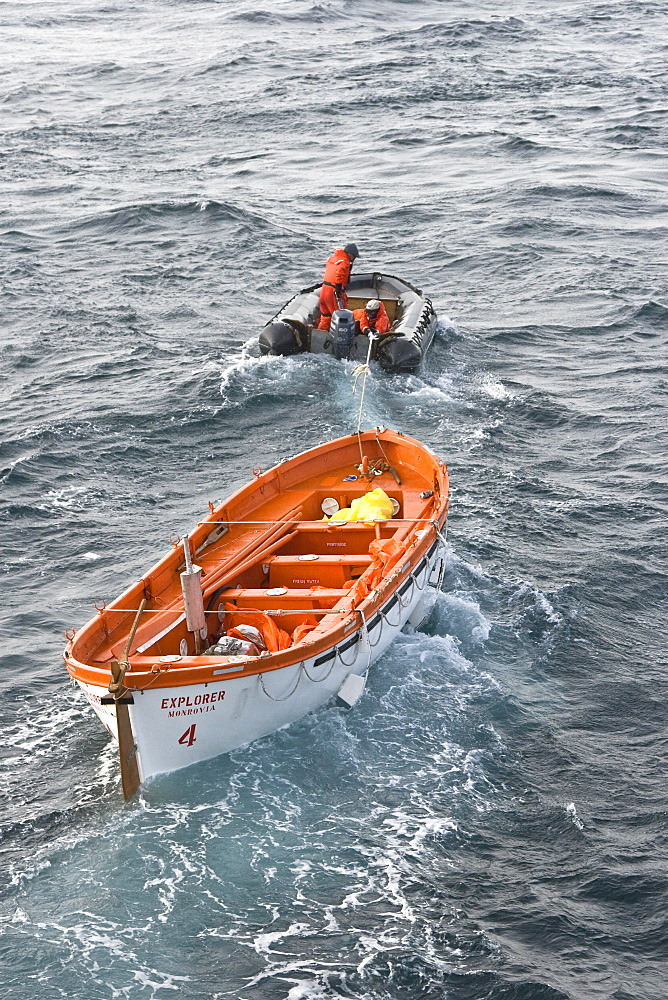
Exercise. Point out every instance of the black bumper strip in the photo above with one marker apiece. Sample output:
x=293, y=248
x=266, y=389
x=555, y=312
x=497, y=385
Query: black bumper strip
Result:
x=325, y=659
x=351, y=642
x=390, y=604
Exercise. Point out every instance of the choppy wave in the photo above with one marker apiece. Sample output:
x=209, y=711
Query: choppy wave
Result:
x=487, y=821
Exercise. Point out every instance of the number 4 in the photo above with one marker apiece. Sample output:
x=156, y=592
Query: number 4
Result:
x=188, y=737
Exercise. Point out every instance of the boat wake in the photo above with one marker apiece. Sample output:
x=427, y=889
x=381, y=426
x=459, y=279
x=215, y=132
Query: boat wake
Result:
x=312, y=836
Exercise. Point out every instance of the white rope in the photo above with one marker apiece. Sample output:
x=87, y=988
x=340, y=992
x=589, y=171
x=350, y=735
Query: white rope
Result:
x=318, y=521
x=380, y=633
x=290, y=694
x=443, y=538
x=319, y=680
x=406, y=603
x=214, y=611
x=425, y=577
x=363, y=370
x=368, y=641
x=354, y=659
x=386, y=613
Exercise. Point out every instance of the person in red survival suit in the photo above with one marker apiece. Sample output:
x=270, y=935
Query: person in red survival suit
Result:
x=373, y=318
x=333, y=293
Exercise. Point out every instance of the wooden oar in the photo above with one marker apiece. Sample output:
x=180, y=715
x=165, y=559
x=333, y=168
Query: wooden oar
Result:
x=230, y=566
x=253, y=560
x=255, y=544
x=127, y=748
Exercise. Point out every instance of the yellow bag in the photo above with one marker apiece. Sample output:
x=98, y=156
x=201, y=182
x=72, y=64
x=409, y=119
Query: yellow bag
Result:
x=345, y=514
x=375, y=505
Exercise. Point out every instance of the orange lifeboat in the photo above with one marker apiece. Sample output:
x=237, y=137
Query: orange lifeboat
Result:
x=281, y=598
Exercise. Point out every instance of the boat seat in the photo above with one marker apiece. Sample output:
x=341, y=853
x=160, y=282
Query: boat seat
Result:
x=331, y=571
x=289, y=594
x=326, y=559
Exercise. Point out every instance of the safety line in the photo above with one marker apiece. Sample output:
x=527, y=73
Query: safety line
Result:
x=368, y=641
x=294, y=520
x=290, y=694
x=256, y=611
x=319, y=680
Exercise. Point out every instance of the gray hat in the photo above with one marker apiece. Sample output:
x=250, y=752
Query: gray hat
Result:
x=351, y=250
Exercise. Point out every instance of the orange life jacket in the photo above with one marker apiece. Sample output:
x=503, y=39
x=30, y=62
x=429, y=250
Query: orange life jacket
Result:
x=381, y=324
x=337, y=269
x=303, y=630
x=274, y=637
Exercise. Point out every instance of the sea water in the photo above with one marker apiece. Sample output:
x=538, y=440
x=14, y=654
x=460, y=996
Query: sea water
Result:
x=488, y=822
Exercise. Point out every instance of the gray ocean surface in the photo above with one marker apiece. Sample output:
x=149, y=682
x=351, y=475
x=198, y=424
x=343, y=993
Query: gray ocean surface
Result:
x=489, y=822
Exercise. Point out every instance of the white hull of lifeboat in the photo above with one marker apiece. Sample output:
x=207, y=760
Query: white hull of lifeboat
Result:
x=179, y=726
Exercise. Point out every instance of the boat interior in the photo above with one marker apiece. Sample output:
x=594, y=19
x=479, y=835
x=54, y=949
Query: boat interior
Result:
x=366, y=287
x=280, y=557
x=401, y=301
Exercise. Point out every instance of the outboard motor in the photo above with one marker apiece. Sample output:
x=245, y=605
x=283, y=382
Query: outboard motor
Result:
x=279, y=338
x=342, y=331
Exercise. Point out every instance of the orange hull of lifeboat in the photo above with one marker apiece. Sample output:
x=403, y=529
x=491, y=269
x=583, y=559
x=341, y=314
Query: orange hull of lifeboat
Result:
x=328, y=598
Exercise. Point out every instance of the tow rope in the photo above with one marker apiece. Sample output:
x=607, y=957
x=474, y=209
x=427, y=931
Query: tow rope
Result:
x=362, y=370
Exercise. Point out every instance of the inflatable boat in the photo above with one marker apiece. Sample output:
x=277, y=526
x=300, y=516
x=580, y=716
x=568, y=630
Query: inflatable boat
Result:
x=294, y=330
x=268, y=608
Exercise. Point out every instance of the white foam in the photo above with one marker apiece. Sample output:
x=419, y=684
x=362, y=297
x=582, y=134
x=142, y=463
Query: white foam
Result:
x=307, y=990
x=70, y=498
x=263, y=942
x=445, y=326
x=526, y=589
x=417, y=829
x=572, y=812
x=495, y=389
x=40, y=731
x=250, y=374
x=548, y=608
x=273, y=970
x=467, y=613
x=6, y=473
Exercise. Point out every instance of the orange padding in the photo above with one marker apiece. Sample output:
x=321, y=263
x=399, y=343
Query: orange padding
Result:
x=303, y=630
x=385, y=553
x=274, y=637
